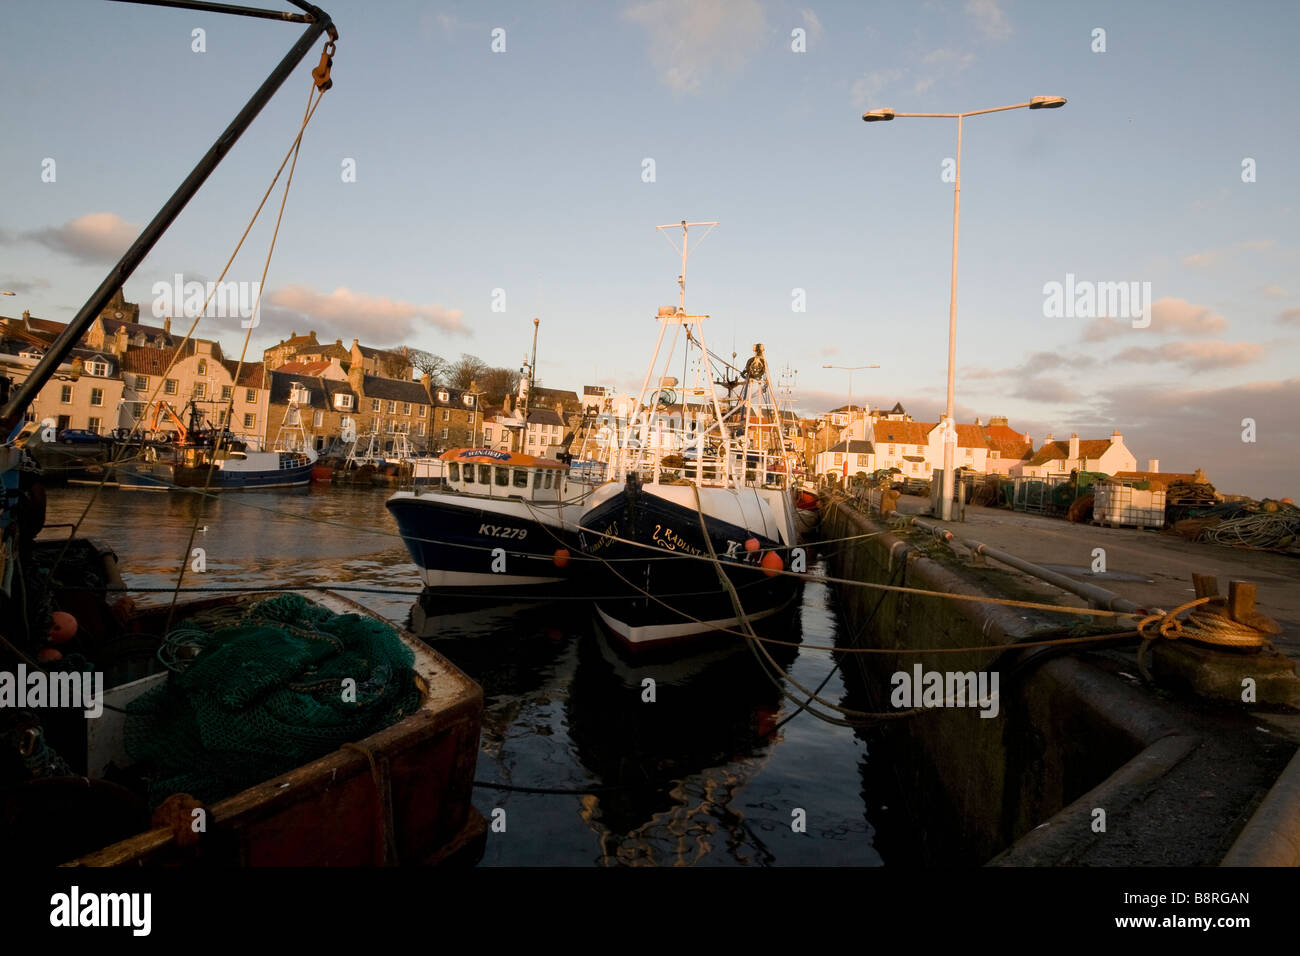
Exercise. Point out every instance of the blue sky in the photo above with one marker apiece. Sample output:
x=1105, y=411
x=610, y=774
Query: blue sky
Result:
x=522, y=171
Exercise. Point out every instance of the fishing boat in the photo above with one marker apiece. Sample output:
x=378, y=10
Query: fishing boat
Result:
x=492, y=519
x=694, y=495
x=209, y=459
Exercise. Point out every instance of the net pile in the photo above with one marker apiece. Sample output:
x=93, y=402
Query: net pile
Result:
x=287, y=682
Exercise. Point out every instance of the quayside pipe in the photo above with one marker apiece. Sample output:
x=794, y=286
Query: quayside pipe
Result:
x=26, y=393
x=1096, y=596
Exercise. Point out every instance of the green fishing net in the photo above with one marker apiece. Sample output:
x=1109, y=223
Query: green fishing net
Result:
x=252, y=697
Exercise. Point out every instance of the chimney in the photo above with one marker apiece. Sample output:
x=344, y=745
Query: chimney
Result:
x=167, y=325
x=1049, y=439
x=1116, y=437
x=339, y=343
x=978, y=423
x=1074, y=447
x=1153, y=465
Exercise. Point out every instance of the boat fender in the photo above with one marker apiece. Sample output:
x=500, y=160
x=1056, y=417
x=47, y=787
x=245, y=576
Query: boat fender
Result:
x=47, y=654
x=63, y=627
x=751, y=545
x=561, y=557
x=772, y=564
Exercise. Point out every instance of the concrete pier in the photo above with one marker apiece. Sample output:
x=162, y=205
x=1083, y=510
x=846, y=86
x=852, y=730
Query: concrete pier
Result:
x=1085, y=762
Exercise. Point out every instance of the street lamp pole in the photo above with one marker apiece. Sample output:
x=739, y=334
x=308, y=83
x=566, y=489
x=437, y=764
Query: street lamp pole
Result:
x=949, y=425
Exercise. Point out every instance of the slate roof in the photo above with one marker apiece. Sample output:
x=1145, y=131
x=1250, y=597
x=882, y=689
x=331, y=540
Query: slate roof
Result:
x=855, y=447
x=396, y=390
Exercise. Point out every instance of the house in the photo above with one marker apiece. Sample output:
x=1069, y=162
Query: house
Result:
x=1107, y=455
x=849, y=458
x=319, y=404
x=85, y=392
x=1008, y=450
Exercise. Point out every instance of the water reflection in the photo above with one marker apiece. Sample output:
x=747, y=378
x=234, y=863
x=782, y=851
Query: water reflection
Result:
x=695, y=777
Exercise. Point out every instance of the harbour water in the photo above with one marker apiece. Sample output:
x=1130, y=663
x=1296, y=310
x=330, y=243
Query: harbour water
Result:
x=707, y=773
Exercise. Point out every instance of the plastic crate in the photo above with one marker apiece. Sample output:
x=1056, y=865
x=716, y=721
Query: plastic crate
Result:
x=1121, y=506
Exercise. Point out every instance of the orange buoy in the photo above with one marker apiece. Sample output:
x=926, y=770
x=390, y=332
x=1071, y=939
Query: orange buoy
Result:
x=561, y=557
x=751, y=544
x=49, y=654
x=63, y=627
x=1288, y=501
x=772, y=564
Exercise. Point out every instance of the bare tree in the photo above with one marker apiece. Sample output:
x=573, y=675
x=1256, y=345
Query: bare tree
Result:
x=394, y=363
x=435, y=366
x=466, y=369
x=497, y=383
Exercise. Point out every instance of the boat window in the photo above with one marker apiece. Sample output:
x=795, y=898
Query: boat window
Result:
x=485, y=474
x=521, y=478
x=453, y=469
x=549, y=477
x=469, y=474
x=503, y=476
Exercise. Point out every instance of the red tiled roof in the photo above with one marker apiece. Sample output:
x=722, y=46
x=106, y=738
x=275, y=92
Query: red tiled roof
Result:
x=1092, y=449
x=252, y=375
x=903, y=433
x=304, y=368
x=1008, y=442
x=147, y=361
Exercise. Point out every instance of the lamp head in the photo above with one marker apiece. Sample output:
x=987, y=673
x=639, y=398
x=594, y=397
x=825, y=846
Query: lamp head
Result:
x=877, y=116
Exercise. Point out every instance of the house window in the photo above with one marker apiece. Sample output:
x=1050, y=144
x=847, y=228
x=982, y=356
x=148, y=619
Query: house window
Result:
x=97, y=396
x=421, y=429
x=487, y=434
x=136, y=409
x=970, y=452
x=318, y=419
x=862, y=461
x=392, y=408
x=93, y=425
x=444, y=434
x=406, y=408
x=142, y=383
x=250, y=420
x=65, y=394
x=200, y=389
x=203, y=366
x=423, y=409
x=374, y=405
x=344, y=401
x=226, y=392
x=171, y=387
x=915, y=467
x=97, y=368
x=891, y=450
x=839, y=459
x=446, y=414
x=442, y=396
x=250, y=395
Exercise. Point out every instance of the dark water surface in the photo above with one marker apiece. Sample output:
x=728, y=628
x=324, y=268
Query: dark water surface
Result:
x=695, y=777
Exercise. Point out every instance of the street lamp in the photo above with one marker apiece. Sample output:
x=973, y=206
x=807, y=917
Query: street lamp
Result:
x=950, y=430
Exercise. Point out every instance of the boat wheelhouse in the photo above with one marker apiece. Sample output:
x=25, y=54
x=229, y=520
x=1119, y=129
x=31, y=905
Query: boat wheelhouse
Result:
x=490, y=518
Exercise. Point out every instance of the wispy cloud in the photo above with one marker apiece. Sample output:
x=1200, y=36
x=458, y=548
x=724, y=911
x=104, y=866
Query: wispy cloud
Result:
x=1169, y=316
x=1274, y=291
x=345, y=313
x=24, y=286
x=96, y=237
x=689, y=39
x=989, y=18
x=812, y=24
x=1196, y=356
x=1290, y=316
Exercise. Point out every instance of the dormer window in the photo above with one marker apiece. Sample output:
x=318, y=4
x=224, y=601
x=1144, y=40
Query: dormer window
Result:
x=469, y=399
x=442, y=396
x=97, y=368
x=343, y=401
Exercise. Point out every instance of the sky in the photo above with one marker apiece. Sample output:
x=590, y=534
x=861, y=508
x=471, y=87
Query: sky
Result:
x=446, y=193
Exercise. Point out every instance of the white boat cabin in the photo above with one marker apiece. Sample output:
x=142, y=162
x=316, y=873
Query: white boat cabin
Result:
x=487, y=473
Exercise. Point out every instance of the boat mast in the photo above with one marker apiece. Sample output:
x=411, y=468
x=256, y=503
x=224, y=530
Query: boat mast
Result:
x=318, y=22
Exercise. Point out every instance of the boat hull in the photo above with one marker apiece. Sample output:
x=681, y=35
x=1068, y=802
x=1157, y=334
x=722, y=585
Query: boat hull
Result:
x=459, y=541
x=660, y=581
